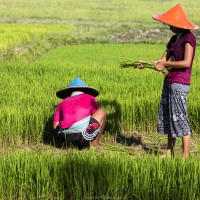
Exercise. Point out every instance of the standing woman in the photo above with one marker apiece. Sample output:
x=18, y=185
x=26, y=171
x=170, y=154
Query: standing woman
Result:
x=179, y=55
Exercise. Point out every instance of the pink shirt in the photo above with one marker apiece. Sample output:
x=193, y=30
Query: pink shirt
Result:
x=75, y=108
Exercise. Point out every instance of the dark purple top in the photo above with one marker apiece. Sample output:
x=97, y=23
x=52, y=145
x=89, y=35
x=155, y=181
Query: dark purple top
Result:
x=177, y=49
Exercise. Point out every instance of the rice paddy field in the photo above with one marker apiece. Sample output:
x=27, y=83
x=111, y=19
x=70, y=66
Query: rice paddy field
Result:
x=44, y=45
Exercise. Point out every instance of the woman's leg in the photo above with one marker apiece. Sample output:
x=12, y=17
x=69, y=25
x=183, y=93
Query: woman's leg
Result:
x=170, y=147
x=186, y=146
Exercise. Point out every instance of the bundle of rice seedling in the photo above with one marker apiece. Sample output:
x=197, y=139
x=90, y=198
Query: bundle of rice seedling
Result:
x=141, y=65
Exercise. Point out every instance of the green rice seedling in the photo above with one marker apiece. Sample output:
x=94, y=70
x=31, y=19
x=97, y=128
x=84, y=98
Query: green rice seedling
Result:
x=15, y=36
x=130, y=98
x=66, y=10
x=142, y=65
x=137, y=64
x=89, y=174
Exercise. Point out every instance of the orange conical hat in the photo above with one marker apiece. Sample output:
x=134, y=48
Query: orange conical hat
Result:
x=176, y=17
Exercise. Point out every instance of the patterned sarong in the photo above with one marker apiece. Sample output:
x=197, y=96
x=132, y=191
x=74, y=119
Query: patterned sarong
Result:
x=173, y=118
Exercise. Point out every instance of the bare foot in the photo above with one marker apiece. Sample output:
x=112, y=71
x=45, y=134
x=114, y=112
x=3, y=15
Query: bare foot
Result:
x=165, y=155
x=185, y=156
x=95, y=144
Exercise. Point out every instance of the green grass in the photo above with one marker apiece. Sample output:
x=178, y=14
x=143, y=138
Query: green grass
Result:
x=90, y=175
x=30, y=29
x=129, y=96
x=33, y=68
x=18, y=34
x=112, y=10
x=29, y=41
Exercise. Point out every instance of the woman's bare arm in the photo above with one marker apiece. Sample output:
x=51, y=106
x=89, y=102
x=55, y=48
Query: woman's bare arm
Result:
x=186, y=62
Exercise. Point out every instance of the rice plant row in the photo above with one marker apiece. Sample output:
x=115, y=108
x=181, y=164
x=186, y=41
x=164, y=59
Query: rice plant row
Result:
x=129, y=96
x=75, y=176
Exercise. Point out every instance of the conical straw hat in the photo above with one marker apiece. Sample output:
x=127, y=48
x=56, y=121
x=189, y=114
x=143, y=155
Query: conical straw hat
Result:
x=176, y=17
x=76, y=85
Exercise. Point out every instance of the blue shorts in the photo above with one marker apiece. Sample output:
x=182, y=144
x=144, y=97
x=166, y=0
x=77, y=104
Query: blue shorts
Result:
x=81, y=139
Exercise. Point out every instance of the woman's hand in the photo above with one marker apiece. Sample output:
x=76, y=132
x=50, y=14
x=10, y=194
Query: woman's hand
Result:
x=159, y=66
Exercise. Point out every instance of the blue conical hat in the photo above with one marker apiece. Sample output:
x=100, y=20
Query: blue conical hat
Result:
x=76, y=85
x=77, y=82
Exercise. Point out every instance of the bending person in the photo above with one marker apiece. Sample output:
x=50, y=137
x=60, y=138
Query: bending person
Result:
x=78, y=118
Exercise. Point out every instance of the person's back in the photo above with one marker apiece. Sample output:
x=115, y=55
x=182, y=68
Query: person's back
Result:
x=78, y=117
x=75, y=108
